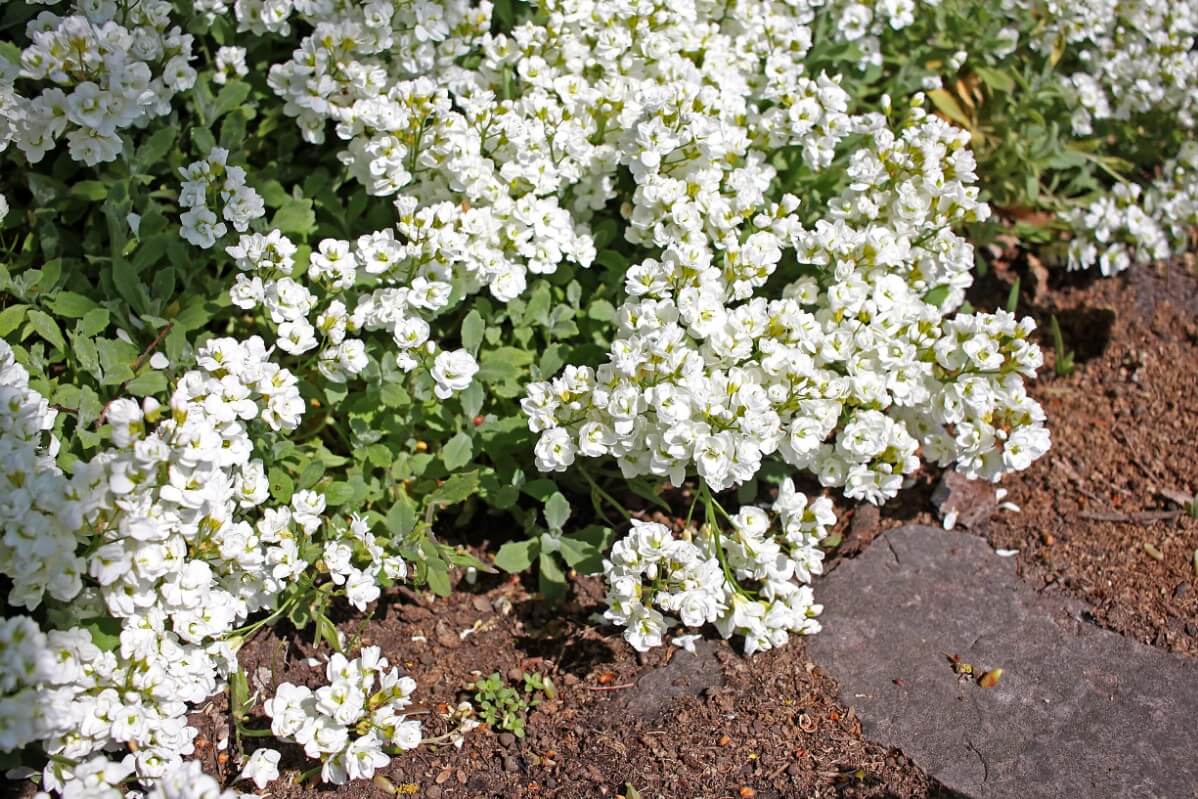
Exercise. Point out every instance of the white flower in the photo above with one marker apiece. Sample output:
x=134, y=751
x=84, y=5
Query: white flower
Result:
x=261, y=767
x=453, y=372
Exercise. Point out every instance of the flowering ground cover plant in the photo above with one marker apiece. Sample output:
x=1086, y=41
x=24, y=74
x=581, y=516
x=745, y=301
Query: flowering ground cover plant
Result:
x=285, y=281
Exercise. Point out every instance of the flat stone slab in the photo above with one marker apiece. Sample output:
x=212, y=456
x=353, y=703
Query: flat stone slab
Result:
x=1079, y=712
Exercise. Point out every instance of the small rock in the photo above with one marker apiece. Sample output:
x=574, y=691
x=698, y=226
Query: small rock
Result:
x=966, y=503
x=1180, y=590
x=481, y=604
x=570, y=679
x=795, y=769
x=446, y=637
x=515, y=674
x=511, y=764
x=433, y=792
x=507, y=739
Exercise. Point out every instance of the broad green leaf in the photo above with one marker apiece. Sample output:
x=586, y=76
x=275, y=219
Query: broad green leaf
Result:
x=70, y=304
x=338, y=493
x=295, y=216
x=47, y=328
x=148, y=383
x=155, y=148
x=281, y=485
x=552, y=580
x=456, y=489
x=937, y=295
x=401, y=519
x=94, y=322
x=11, y=318
x=516, y=556
x=472, y=331
x=557, y=511
x=457, y=451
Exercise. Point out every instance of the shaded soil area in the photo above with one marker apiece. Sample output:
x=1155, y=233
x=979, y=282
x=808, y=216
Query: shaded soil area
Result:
x=1101, y=521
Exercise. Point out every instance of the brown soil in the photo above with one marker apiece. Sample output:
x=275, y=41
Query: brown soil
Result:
x=671, y=724
x=1124, y=426
x=716, y=724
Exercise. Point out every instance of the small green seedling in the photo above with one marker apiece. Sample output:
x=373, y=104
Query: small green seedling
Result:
x=503, y=707
x=1064, y=365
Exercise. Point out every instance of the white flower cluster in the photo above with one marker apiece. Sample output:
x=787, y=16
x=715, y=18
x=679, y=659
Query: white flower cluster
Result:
x=748, y=581
x=1134, y=225
x=1131, y=56
x=101, y=69
x=356, y=559
x=350, y=724
x=847, y=374
x=404, y=290
x=212, y=179
x=163, y=533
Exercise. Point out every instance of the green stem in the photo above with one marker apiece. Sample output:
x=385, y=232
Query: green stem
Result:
x=713, y=523
x=596, y=488
x=309, y=773
x=254, y=627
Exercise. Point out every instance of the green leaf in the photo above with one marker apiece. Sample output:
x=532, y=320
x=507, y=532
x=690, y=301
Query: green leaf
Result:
x=281, y=485
x=231, y=96
x=457, y=452
x=47, y=328
x=70, y=304
x=601, y=311
x=94, y=322
x=582, y=556
x=11, y=318
x=311, y=474
x=552, y=580
x=155, y=148
x=557, y=511
x=115, y=358
x=401, y=519
x=338, y=493
x=472, y=331
x=456, y=489
x=129, y=286
x=516, y=556
x=91, y=190
x=147, y=384
x=937, y=295
x=995, y=79
x=296, y=216
x=105, y=632
x=437, y=577
x=504, y=363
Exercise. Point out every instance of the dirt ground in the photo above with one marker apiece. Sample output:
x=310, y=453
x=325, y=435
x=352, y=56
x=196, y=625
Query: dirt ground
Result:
x=1100, y=520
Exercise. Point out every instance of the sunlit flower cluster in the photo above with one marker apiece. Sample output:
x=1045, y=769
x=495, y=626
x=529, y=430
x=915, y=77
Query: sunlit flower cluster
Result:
x=214, y=181
x=158, y=533
x=96, y=71
x=748, y=580
x=1128, y=57
x=353, y=723
x=846, y=375
x=1133, y=225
